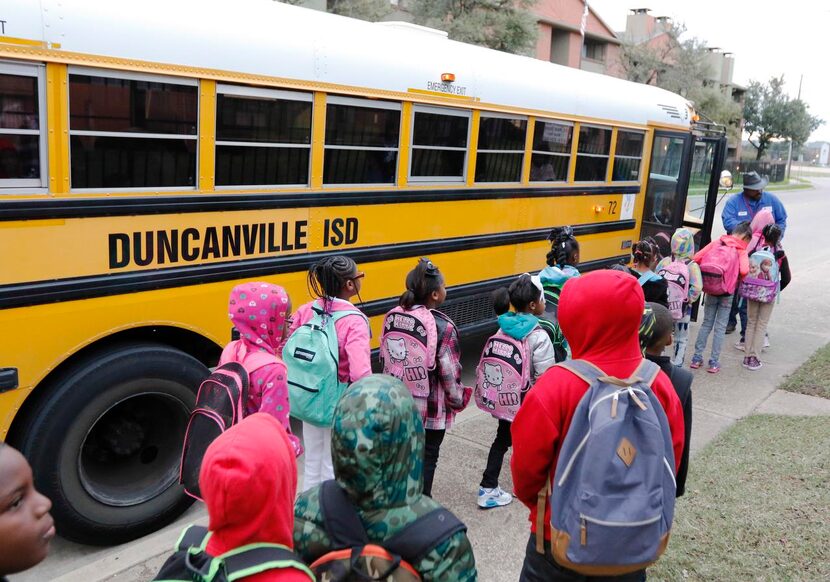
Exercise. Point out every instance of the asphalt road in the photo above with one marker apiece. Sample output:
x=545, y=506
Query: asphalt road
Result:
x=800, y=324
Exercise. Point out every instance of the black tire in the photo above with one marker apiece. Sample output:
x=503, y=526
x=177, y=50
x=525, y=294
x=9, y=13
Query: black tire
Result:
x=104, y=441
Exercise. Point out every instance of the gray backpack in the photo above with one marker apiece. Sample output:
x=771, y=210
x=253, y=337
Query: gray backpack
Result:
x=612, y=498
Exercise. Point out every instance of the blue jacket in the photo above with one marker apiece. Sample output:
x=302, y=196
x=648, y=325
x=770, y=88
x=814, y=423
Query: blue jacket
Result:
x=739, y=208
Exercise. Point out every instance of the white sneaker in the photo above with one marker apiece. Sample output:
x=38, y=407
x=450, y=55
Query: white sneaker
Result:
x=495, y=497
x=766, y=341
x=740, y=344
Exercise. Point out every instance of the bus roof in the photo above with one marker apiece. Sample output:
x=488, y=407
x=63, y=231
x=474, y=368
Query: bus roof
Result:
x=263, y=37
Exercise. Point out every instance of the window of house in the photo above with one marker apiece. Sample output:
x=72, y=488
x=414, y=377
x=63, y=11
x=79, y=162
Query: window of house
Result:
x=362, y=141
x=22, y=121
x=628, y=156
x=593, y=50
x=501, y=145
x=592, y=153
x=551, y=155
x=263, y=137
x=439, y=144
x=132, y=130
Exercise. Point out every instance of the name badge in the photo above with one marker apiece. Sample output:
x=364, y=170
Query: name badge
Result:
x=742, y=213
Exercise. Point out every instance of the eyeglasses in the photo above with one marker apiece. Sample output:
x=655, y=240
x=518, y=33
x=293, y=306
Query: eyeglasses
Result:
x=360, y=275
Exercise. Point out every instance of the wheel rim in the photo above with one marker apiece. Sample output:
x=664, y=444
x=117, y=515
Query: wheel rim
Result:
x=132, y=451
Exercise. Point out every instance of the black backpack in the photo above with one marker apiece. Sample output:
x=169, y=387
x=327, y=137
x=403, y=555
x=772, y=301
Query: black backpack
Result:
x=354, y=558
x=191, y=563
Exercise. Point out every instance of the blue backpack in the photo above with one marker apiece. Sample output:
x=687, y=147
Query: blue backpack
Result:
x=312, y=356
x=612, y=498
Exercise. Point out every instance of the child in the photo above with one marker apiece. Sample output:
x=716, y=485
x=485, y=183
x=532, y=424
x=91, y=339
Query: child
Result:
x=445, y=394
x=249, y=481
x=562, y=260
x=600, y=313
x=645, y=255
x=761, y=219
x=334, y=280
x=655, y=337
x=259, y=312
x=716, y=307
x=528, y=299
x=682, y=249
x=758, y=313
x=26, y=527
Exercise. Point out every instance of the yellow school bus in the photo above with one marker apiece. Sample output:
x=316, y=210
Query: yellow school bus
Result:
x=155, y=154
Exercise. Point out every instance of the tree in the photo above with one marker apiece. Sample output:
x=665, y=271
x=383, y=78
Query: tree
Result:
x=681, y=66
x=770, y=114
x=504, y=25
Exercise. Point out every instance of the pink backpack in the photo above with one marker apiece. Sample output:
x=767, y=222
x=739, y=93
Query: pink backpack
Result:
x=719, y=269
x=220, y=404
x=502, y=375
x=408, y=347
x=676, y=275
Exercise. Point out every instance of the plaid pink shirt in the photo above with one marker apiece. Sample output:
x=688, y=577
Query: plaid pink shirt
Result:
x=446, y=392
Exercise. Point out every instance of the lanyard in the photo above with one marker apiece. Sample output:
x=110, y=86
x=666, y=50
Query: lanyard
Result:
x=748, y=207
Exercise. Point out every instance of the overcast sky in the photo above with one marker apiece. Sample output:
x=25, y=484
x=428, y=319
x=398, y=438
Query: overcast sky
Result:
x=767, y=38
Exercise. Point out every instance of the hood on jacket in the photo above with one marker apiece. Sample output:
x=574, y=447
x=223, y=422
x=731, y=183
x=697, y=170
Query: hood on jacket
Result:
x=763, y=218
x=259, y=312
x=557, y=275
x=600, y=314
x=733, y=241
x=683, y=244
x=517, y=325
x=249, y=480
x=377, y=444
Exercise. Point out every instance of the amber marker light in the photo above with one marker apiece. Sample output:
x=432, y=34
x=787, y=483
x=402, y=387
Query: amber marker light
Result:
x=598, y=209
x=447, y=77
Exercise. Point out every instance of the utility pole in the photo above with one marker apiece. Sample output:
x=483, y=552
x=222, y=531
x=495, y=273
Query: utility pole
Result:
x=790, y=153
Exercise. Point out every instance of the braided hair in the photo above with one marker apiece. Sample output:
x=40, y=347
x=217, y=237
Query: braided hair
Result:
x=421, y=282
x=328, y=276
x=564, y=247
x=645, y=251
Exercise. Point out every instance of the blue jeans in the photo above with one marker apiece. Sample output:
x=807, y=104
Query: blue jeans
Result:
x=715, y=315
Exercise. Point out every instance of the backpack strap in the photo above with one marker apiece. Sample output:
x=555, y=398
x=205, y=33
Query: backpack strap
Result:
x=193, y=536
x=583, y=369
x=646, y=372
x=423, y=535
x=255, y=558
x=342, y=522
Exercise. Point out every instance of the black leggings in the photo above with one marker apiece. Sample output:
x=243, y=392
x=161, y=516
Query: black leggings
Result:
x=432, y=446
x=543, y=568
x=495, y=459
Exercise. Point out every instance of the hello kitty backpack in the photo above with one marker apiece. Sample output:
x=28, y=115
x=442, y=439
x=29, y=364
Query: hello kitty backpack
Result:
x=676, y=274
x=502, y=375
x=408, y=346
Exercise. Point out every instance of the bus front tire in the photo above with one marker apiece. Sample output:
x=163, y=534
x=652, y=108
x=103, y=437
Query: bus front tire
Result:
x=105, y=441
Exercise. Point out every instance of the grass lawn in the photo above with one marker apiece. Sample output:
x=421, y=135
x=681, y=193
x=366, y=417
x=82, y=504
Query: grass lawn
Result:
x=813, y=377
x=757, y=506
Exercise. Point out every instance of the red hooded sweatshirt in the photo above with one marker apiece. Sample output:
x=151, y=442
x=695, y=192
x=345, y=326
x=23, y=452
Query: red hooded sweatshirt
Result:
x=600, y=316
x=249, y=481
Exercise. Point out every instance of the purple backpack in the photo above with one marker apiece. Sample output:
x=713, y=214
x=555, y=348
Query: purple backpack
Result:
x=408, y=347
x=676, y=275
x=502, y=375
x=719, y=269
x=761, y=283
x=612, y=498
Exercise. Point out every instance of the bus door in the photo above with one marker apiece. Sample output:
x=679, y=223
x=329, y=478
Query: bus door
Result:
x=668, y=180
x=708, y=156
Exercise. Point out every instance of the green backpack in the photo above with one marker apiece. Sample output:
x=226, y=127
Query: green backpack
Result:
x=192, y=563
x=312, y=357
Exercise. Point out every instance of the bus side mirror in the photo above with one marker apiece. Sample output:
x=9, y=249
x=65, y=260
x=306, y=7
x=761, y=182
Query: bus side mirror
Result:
x=726, y=180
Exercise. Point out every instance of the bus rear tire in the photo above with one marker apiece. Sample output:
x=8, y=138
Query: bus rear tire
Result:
x=104, y=441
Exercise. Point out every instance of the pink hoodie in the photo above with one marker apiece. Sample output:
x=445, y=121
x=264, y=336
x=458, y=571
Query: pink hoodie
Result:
x=352, y=338
x=761, y=219
x=259, y=312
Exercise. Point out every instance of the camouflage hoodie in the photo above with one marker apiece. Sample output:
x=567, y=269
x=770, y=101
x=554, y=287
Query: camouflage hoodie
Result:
x=377, y=446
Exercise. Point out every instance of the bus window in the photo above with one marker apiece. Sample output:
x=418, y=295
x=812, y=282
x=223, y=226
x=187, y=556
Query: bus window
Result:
x=439, y=144
x=501, y=145
x=592, y=153
x=551, y=152
x=263, y=137
x=628, y=156
x=132, y=131
x=361, y=141
x=22, y=143
x=665, y=189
